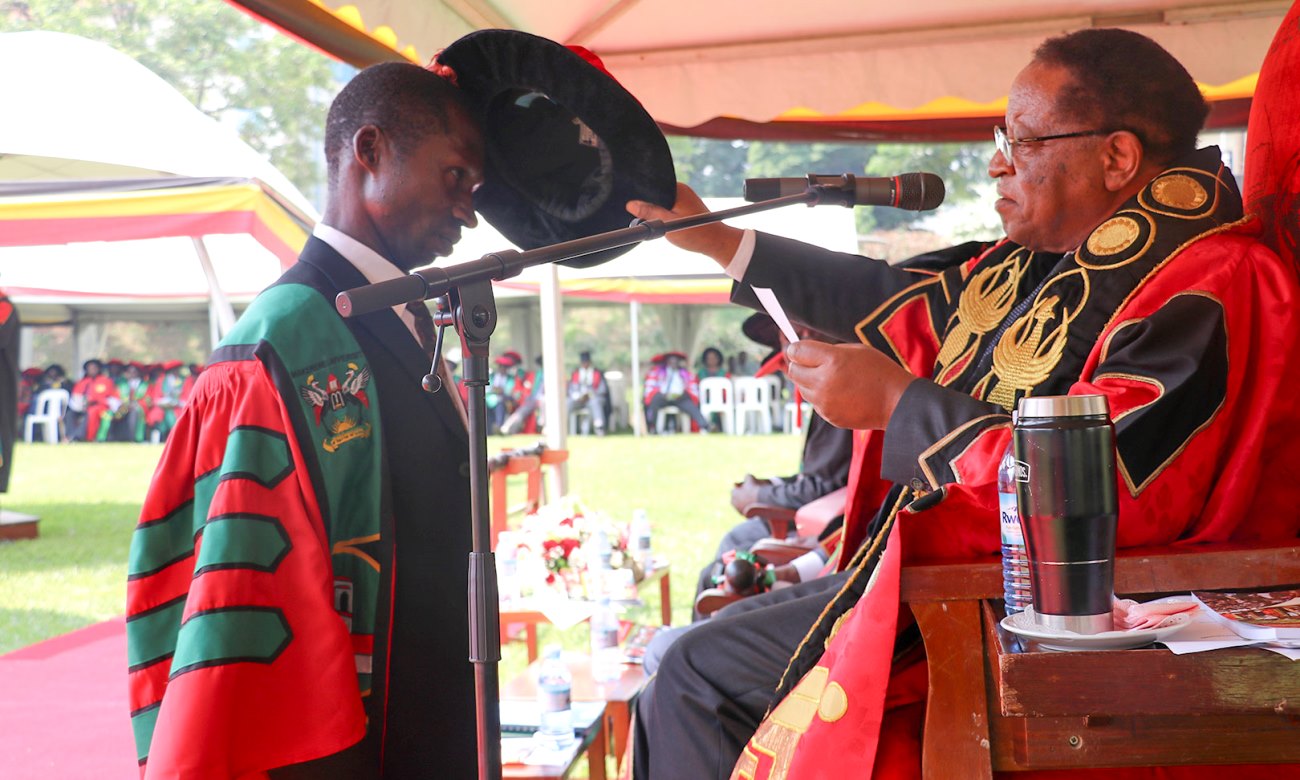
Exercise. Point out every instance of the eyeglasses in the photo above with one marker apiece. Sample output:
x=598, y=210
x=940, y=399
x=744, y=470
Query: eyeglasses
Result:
x=1006, y=143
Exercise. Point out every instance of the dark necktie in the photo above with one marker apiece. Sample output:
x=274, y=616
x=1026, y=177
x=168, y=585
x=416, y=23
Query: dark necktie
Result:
x=425, y=331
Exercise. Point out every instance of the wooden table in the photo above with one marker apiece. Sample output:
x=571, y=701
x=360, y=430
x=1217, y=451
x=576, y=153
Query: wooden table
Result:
x=619, y=695
x=592, y=743
x=1084, y=708
x=663, y=573
x=524, y=612
x=996, y=705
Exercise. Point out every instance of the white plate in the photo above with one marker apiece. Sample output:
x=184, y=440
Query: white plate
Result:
x=1022, y=624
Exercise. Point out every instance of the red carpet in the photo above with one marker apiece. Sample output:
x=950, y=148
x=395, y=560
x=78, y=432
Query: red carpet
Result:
x=63, y=710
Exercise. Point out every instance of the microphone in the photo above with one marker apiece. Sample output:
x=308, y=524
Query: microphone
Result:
x=911, y=191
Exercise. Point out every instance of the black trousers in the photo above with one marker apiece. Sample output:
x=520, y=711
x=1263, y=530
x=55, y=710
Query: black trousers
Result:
x=683, y=402
x=715, y=683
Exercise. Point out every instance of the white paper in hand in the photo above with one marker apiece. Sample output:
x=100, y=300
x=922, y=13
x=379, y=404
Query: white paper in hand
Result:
x=773, y=308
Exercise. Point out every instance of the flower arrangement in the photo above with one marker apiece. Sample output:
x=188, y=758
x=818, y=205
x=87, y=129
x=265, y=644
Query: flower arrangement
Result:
x=557, y=545
x=557, y=552
x=555, y=533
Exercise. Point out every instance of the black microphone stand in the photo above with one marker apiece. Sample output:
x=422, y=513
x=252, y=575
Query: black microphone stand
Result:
x=473, y=311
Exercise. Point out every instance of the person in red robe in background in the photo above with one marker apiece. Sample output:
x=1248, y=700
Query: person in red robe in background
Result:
x=127, y=420
x=164, y=399
x=26, y=389
x=187, y=386
x=91, y=396
x=670, y=383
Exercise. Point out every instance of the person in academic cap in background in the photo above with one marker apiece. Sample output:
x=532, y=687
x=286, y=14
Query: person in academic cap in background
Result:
x=88, y=407
x=191, y=377
x=127, y=420
x=27, y=381
x=671, y=383
x=528, y=418
x=328, y=636
x=588, y=391
x=164, y=399
x=520, y=385
x=500, y=395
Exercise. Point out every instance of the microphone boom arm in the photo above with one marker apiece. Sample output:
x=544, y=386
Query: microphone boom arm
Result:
x=431, y=282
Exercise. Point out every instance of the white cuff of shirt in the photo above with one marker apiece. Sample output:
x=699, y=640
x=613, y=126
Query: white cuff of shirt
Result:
x=740, y=261
x=809, y=565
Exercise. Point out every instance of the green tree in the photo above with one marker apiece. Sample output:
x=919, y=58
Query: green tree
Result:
x=233, y=68
x=963, y=167
x=713, y=168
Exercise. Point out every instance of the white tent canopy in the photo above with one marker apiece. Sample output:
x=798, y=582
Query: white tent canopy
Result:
x=861, y=60
x=81, y=110
x=106, y=149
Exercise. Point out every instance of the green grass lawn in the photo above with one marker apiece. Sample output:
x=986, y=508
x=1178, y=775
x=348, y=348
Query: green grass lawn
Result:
x=88, y=498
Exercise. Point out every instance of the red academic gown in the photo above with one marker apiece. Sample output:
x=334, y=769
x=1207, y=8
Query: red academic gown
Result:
x=97, y=392
x=1190, y=472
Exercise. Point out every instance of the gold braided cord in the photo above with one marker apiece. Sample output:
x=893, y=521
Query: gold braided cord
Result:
x=865, y=552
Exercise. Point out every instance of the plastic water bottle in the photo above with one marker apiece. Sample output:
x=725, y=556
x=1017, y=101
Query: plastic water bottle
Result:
x=554, y=692
x=639, y=540
x=507, y=568
x=1016, y=588
x=606, y=658
x=598, y=552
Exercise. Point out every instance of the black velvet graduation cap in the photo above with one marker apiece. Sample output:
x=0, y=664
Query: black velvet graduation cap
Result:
x=567, y=146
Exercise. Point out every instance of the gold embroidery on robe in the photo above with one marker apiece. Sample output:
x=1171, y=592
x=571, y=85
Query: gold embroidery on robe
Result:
x=1119, y=241
x=1184, y=193
x=985, y=301
x=1030, y=349
x=780, y=731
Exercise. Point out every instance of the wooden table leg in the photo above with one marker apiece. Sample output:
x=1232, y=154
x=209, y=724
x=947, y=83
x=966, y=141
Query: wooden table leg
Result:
x=665, y=598
x=618, y=716
x=530, y=638
x=956, y=741
x=596, y=753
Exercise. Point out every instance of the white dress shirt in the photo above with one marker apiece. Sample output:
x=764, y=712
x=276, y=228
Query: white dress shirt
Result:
x=375, y=268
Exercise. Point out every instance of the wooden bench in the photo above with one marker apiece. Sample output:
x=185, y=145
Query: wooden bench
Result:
x=996, y=706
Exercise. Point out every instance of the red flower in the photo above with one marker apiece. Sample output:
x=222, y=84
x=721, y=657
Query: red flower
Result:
x=550, y=578
x=550, y=544
x=568, y=545
x=568, y=522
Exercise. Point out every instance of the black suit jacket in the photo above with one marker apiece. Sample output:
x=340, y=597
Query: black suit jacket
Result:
x=422, y=705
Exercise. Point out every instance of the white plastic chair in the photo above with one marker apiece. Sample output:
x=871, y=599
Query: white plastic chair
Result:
x=718, y=396
x=753, y=401
x=775, y=388
x=792, y=420
x=49, y=407
x=579, y=420
x=683, y=420
x=618, y=413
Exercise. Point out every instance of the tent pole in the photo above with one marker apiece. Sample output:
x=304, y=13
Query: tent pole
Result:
x=634, y=409
x=218, y=302
x=77, y=359
x=555, y=396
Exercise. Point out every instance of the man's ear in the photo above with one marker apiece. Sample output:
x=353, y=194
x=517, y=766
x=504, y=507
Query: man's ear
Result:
x=368, y=146
x=1123, y=156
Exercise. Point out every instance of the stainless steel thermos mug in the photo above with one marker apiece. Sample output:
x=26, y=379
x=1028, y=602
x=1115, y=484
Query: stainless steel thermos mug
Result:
x=1067, y=494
